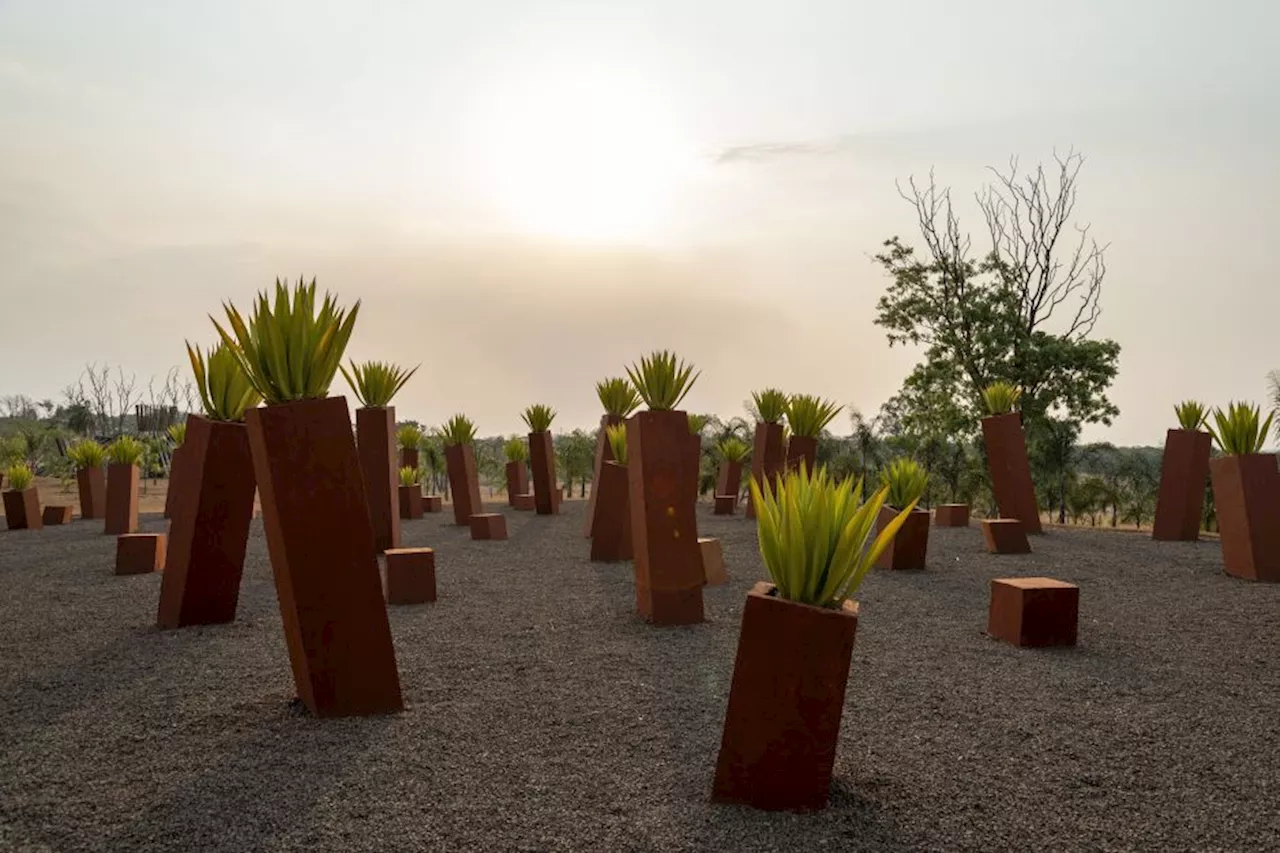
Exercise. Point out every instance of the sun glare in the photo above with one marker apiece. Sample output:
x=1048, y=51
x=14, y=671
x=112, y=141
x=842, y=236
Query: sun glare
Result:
x=582, y=158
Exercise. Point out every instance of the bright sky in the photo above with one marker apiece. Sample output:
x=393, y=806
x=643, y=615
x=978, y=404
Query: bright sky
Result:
x=526, y=196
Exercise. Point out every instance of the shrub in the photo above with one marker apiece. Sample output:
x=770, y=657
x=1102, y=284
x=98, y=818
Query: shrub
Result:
x=459, y=429
x=125, y=450
x=905, y=479
x=225, y=391
x=409, y=476
x=662, y=380
x=1237, y=430
x=538, y=417
x=733, y=449
x=771, y=405
x=618, y=396
x=177, y=434
x=87, y=453
x=376, y=382
x=1191, y=414
x=617, y=436
x=1001, y=397
x=288, y=350
x=409, y=435
x=19, y=477
x=808, y=415
x=516, y=450
x=814, y=535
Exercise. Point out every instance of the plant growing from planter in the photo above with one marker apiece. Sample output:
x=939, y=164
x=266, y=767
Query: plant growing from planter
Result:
x=542, y=458
x=458, y=435
x=807, y=417
x=733, y=452
x=409, y=437
x=783, y=718
x=123, y=456
x=904, y=481
x=1011, y=484
x=376, y=384
x=313, y=502
x=178, y=435
x=88, y=457
x=1246, y=494
x=516, y=451
x=410, y=493
x=769, y=451
x=664, y=529
x=22, y=500
x=1184, y=468
x=212, y=498
x=612, y=539
x=619, y=399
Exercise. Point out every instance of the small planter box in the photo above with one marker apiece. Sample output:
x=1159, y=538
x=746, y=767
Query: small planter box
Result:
x=488, y=525
x=726, y=504
x=713, y=573
x=140, y=553
x=785, y=703
x=909, y=547
x=524, y=502
x=52, y=516
x=92, y=485
x=1033, y=611
x=22, y=509
x=1246, y=495
x=122, y=500
x=517, y=481
x=1183, y=471
x=432, y=503
x=611, y=539
x=1011, y=483
x=410, y=498
x=1005, y=536
x=951, y=515
x=411, y=576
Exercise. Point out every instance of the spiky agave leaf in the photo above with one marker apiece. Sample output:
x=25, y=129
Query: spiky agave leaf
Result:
x=516, y=449
x=459, y=429
x=808, y=415
x=698, y=423
x=617, y=437
x=662, y=380
x=177, y=433
x=905, y=480
x=770, y=404
x=409, y=435
x=1192, y=414
x=19, y=477
x=1001, y=397
x=1238, y=430
x=226, y=392
x=538, y=417
x=733, y=449
x=618, y=396
x=376, y=383
x=125, y=450
x=409, y=476
x=87, y=453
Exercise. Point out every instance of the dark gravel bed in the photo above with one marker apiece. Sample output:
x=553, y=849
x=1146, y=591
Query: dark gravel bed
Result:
x=543, y=715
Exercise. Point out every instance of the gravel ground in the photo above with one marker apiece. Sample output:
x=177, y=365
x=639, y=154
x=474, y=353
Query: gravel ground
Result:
x=543, y=715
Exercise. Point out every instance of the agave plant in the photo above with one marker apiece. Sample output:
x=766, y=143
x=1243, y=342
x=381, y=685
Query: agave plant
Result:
x=1001, y=397
x=814, y=534
x=125, y=450
x=1191, y=414
x=87, y=453
x=662, y=380
x=459, y=429
x=177, y=434
x=409, y=476
x=733, y=449
x=905, y=479
x=409, y=435
x=376, y=383
x=289, y=350
x=617, y=436
x=808, y=415
x=19, y=477
x=618, y=396
x=770, y=404
x=538, y=417
x=697, y=423
x=225, y=391
x=1238, y=431
x=516, y=450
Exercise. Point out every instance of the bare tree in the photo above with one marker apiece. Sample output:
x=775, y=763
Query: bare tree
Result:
x=124, y=396
x=98, y=393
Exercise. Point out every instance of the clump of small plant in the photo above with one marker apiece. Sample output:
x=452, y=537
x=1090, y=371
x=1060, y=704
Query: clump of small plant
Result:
x=905, y=479
x=538, y=417
x=19, y=477
x=376, y=383
x=617, y=436
x=733, y=449
x=409, y=476
x=771, y=405
x=87, y=453
x=516, y=450
x=177, y=434
x=459, y=429
x=409, y=435
x=225, y=391
x=817, y=535
x=808, y=416
x=618, y=396
x=662, y=380
x=1001, y=397
x=697, y=423
x=1191, y=414
x=1238, y=430
x=125, y=450
x=288, y=349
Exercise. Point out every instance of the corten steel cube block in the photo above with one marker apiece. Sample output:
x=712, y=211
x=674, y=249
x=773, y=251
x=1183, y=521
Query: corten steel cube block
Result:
x=524, y=502
x=1033, y=611
x=488, y=525
x=768, y=458
x=410, y=501
x=52, y=516
x=122, y=499
x=951, y=515
x=517, y=481
x=1005, y=536
x=604, y=453
x=542, y=461
x=212, y=513
x=376, y=443
x=22, y=509
x=713, y=573
x=140, y=553
x=411, y=576
x=1184, y=468
x=726, y=504
x=464, y=483
x=320, y=539
x=432, y=503
x=92, y=484
x=909, y=548
x=1246, y=494
x=1011, y=483
x=782, y=723
x=611, y=533
x=664, y=525
x=802, y=449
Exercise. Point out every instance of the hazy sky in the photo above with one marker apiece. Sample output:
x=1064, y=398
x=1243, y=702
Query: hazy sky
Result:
x=528, y=195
